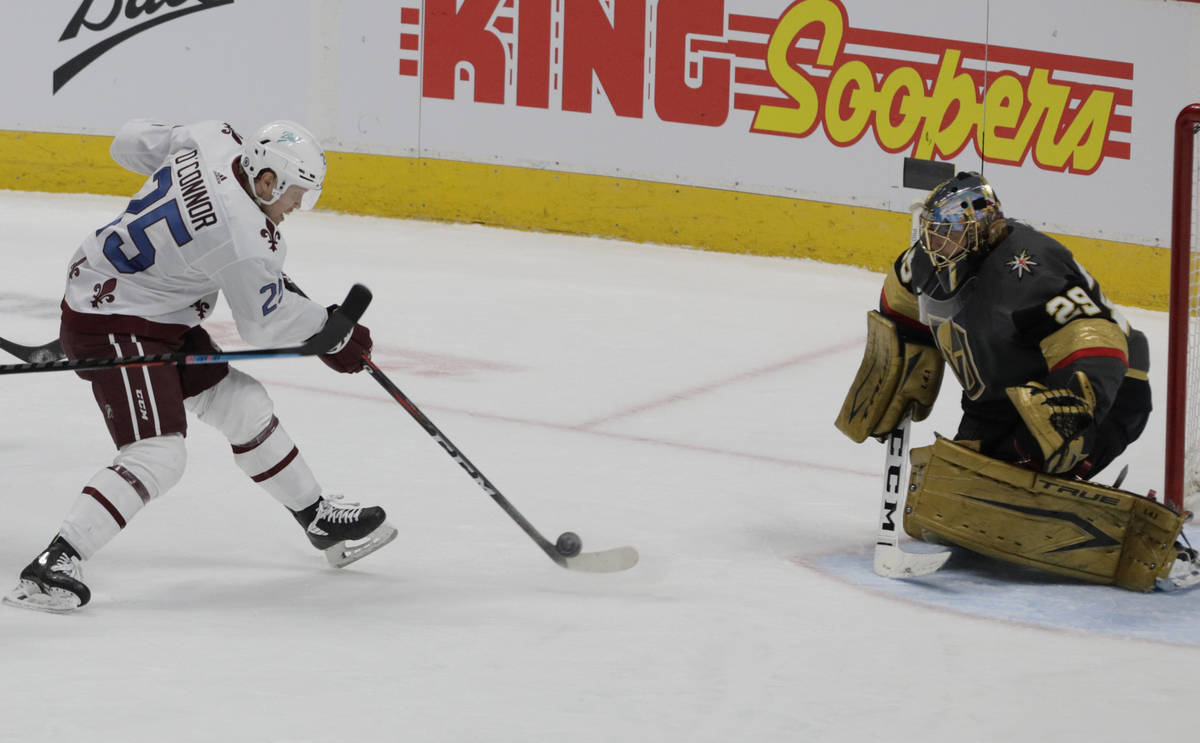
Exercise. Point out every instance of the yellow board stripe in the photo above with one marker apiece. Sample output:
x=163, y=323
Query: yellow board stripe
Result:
x=545, y=200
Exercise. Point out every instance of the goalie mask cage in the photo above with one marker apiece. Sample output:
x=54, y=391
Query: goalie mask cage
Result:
x=1182, y=473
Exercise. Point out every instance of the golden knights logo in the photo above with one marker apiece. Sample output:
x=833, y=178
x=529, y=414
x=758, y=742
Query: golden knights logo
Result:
x=955, y=348
x=1022, y=264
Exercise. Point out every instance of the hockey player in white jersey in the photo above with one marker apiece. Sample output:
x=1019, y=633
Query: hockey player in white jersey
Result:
x=206, y=221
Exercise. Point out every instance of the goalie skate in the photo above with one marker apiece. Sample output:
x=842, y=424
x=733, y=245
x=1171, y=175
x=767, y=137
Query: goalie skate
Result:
x=1185, y=573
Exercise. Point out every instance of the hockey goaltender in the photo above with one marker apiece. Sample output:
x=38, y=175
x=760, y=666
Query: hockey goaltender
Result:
x=1054, y=386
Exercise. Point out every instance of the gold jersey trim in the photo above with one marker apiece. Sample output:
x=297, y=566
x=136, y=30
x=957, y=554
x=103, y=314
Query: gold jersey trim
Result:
x=900, y=300
x=1080, y=338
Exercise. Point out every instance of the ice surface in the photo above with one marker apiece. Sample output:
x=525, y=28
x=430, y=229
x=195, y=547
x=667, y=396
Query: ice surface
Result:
x=675, y=400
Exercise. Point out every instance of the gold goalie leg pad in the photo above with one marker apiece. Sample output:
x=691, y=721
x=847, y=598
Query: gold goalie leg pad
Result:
x=1069, y=527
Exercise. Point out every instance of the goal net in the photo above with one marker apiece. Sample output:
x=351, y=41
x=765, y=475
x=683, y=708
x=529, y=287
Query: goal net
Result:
x=1182, y=476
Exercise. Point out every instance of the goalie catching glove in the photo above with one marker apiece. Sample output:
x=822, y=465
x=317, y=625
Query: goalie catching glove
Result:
x=1060, y=420
x=894, y=376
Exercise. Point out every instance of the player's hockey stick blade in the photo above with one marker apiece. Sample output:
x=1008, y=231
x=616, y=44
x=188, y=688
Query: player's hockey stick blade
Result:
x=51, y=351
x=607, y=561
x=340, y=323
x=893, y=562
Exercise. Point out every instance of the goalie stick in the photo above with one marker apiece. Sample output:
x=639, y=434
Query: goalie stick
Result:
x=565, y=551
x=49, y=357
x=890, y=560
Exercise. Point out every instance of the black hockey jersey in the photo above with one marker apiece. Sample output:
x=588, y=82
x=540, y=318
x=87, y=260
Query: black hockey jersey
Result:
x=1030, y=312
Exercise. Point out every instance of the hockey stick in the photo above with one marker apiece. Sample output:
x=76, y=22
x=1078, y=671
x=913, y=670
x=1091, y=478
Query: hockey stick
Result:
x=51, y=351
x=890, y=560
x=340, y=324
x=565, y=551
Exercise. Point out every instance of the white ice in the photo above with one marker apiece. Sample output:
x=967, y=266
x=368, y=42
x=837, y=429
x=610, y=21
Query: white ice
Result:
x=675, y=400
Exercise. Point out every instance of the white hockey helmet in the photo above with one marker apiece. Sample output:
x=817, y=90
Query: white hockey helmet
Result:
x=292, y=153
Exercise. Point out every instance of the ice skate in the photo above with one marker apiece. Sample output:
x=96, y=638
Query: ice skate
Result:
x=1185, y=571
x=345, y=532
x=53, y=582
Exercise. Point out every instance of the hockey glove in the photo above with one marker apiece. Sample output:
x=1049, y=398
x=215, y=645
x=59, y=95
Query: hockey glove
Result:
x=894, y=378
x=347, y=357
x=1060, y=421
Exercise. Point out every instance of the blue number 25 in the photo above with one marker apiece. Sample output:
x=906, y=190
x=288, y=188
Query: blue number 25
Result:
x=168, y=210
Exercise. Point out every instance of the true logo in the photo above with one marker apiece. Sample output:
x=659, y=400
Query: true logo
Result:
x=103, y=20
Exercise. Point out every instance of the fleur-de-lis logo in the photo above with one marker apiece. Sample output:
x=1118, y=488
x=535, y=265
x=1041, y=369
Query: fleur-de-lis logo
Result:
x=201, y=308
x=272, y=236
x=103, y=292
x=73, y=273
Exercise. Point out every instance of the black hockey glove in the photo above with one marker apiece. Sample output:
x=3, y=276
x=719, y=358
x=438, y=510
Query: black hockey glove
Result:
x=347, y=357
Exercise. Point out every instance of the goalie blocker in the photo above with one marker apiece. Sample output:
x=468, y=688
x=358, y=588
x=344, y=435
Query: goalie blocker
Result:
x=1069, y=527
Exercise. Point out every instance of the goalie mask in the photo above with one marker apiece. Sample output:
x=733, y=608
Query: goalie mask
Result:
x=293, y=154
x=956, y=225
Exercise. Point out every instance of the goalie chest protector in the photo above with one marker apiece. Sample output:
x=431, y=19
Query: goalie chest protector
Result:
x=1070, y=527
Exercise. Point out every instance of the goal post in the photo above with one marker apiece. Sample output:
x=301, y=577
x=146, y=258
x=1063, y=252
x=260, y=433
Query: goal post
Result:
x=1183, y=333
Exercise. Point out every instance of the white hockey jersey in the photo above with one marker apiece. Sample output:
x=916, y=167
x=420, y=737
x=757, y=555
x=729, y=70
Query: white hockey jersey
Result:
x=191, y=232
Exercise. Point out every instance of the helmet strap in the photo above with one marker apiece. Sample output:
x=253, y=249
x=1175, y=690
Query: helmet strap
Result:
x=275, y=193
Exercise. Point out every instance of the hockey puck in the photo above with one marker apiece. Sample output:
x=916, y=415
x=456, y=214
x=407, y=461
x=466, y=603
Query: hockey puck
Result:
x=568, y=544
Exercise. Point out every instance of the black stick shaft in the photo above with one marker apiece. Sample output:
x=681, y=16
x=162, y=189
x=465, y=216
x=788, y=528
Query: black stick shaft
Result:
x=339, y=325
x=480, y=479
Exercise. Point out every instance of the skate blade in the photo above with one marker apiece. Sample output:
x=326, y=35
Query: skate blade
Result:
x=1180, y=578
x=343, y=553
x=27, y=595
